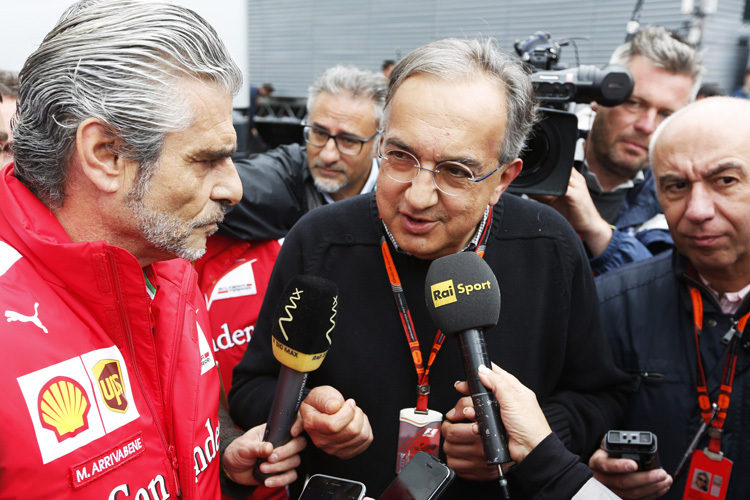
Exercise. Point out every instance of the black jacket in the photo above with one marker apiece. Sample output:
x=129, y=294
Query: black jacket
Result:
x=647, y=313
x=277, y=189
x=549, y=333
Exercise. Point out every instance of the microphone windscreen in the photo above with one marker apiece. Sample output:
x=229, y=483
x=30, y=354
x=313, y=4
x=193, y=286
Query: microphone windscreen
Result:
x=462, y=293
x=304, y=320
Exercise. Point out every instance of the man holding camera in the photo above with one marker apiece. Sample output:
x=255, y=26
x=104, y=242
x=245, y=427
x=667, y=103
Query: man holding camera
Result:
x=457, y=115
x=676, y=322
x=611, y=201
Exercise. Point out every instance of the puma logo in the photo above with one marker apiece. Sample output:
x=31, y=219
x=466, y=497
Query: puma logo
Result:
x=14, y=316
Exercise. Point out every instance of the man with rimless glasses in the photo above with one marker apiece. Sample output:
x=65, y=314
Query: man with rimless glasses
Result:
x=344, y=108
x=457, y=114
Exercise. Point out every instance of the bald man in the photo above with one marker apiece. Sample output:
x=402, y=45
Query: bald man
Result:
x=652, y=309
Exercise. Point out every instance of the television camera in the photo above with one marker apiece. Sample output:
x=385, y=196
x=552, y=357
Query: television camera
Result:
x=549, y=151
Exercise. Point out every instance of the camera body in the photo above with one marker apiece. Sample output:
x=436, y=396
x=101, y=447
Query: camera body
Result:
x=549, y=151
x=640, y=446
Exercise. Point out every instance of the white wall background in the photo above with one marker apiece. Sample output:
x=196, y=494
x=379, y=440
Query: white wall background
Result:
x=26, y=22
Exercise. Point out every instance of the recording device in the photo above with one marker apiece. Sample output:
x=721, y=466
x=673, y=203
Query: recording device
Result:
x=300, y=338
x=424, y=478
x=322, y=487
x=549, y=151
x=640, y=446
x=463, y=299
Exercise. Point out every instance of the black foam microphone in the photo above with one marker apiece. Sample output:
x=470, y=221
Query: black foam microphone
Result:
x=463, y=298
x=300, y=338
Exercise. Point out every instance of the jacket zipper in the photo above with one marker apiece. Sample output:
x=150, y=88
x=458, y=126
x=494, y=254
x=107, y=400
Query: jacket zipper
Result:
x=168, y=446
x=172, y=377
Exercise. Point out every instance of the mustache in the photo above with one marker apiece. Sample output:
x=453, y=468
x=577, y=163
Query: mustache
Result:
x=212, y=218
x=336, y=166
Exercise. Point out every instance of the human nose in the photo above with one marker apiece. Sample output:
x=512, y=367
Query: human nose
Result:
x=700, y=205
x=647, y=121
x=329, y=153
x=228, y=187
x=422, y=192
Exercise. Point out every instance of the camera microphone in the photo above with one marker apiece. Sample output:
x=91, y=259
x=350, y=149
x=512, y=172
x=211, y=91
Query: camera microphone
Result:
x=300, y=338
x=608, y=86
x=463, y=299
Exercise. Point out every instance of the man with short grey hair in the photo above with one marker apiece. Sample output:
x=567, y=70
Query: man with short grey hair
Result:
x=344, y=108
x=611, y=201
x=123, y=144
x=457, y=113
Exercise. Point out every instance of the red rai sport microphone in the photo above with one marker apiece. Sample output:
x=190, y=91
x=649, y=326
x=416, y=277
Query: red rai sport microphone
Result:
x=300, y=338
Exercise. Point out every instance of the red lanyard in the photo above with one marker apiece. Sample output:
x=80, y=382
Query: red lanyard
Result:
x=423, y=374
x=725, y=391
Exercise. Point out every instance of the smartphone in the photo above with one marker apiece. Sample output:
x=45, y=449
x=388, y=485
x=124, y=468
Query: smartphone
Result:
x=640, y=446
x=424, y=478
x=322, y=487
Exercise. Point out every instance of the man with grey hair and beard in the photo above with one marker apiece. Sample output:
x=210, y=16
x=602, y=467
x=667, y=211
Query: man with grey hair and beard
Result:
x=611, y=202
x=457, y=114
x=344, y=108
x=122, y=169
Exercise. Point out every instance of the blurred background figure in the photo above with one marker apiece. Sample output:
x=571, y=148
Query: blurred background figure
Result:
x=387, y=67
x=8, y=100
x=744, y=91
x=709, y=90
x=4, y=142
x=257, y=144
x=337, y=161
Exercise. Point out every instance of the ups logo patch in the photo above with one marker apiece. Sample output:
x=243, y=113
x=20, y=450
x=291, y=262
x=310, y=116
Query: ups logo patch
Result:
x=111, y=385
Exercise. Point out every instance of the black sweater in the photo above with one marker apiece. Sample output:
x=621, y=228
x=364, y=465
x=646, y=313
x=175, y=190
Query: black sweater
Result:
x=549, y=334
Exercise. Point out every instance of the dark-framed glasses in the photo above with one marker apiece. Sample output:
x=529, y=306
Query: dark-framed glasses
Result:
x=450, y=177
x=347, y=144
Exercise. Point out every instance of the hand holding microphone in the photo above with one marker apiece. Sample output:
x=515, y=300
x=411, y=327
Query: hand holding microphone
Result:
x=463, y=299
x=300, y=337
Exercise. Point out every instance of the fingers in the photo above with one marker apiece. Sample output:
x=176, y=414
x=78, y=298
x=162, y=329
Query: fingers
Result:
x=464, y=453
x=336, y=426
x=462, y=387
x=459, y=412
x=325, y=399
x=620, y=475
x=601, y=462
x=282, y=463
x=242, y=454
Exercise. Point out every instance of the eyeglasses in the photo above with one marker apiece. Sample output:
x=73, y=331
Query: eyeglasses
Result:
x=347, y=144
x=450, y=177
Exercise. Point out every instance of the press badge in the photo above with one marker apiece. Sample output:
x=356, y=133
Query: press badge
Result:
x=417, y=431
x=708, y=478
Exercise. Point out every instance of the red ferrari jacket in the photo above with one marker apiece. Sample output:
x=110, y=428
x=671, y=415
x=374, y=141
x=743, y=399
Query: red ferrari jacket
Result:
x=233, y=276
x=107, y=392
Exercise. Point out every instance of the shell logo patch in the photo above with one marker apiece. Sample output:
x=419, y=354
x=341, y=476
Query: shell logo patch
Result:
x=63, y=407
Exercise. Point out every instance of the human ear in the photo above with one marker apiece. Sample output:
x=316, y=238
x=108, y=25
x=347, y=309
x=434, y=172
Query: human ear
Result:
x=96, y=148
x=508, y=173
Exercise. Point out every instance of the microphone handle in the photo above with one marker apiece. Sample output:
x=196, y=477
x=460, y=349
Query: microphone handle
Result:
x=491, y=430
x=290, y=388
